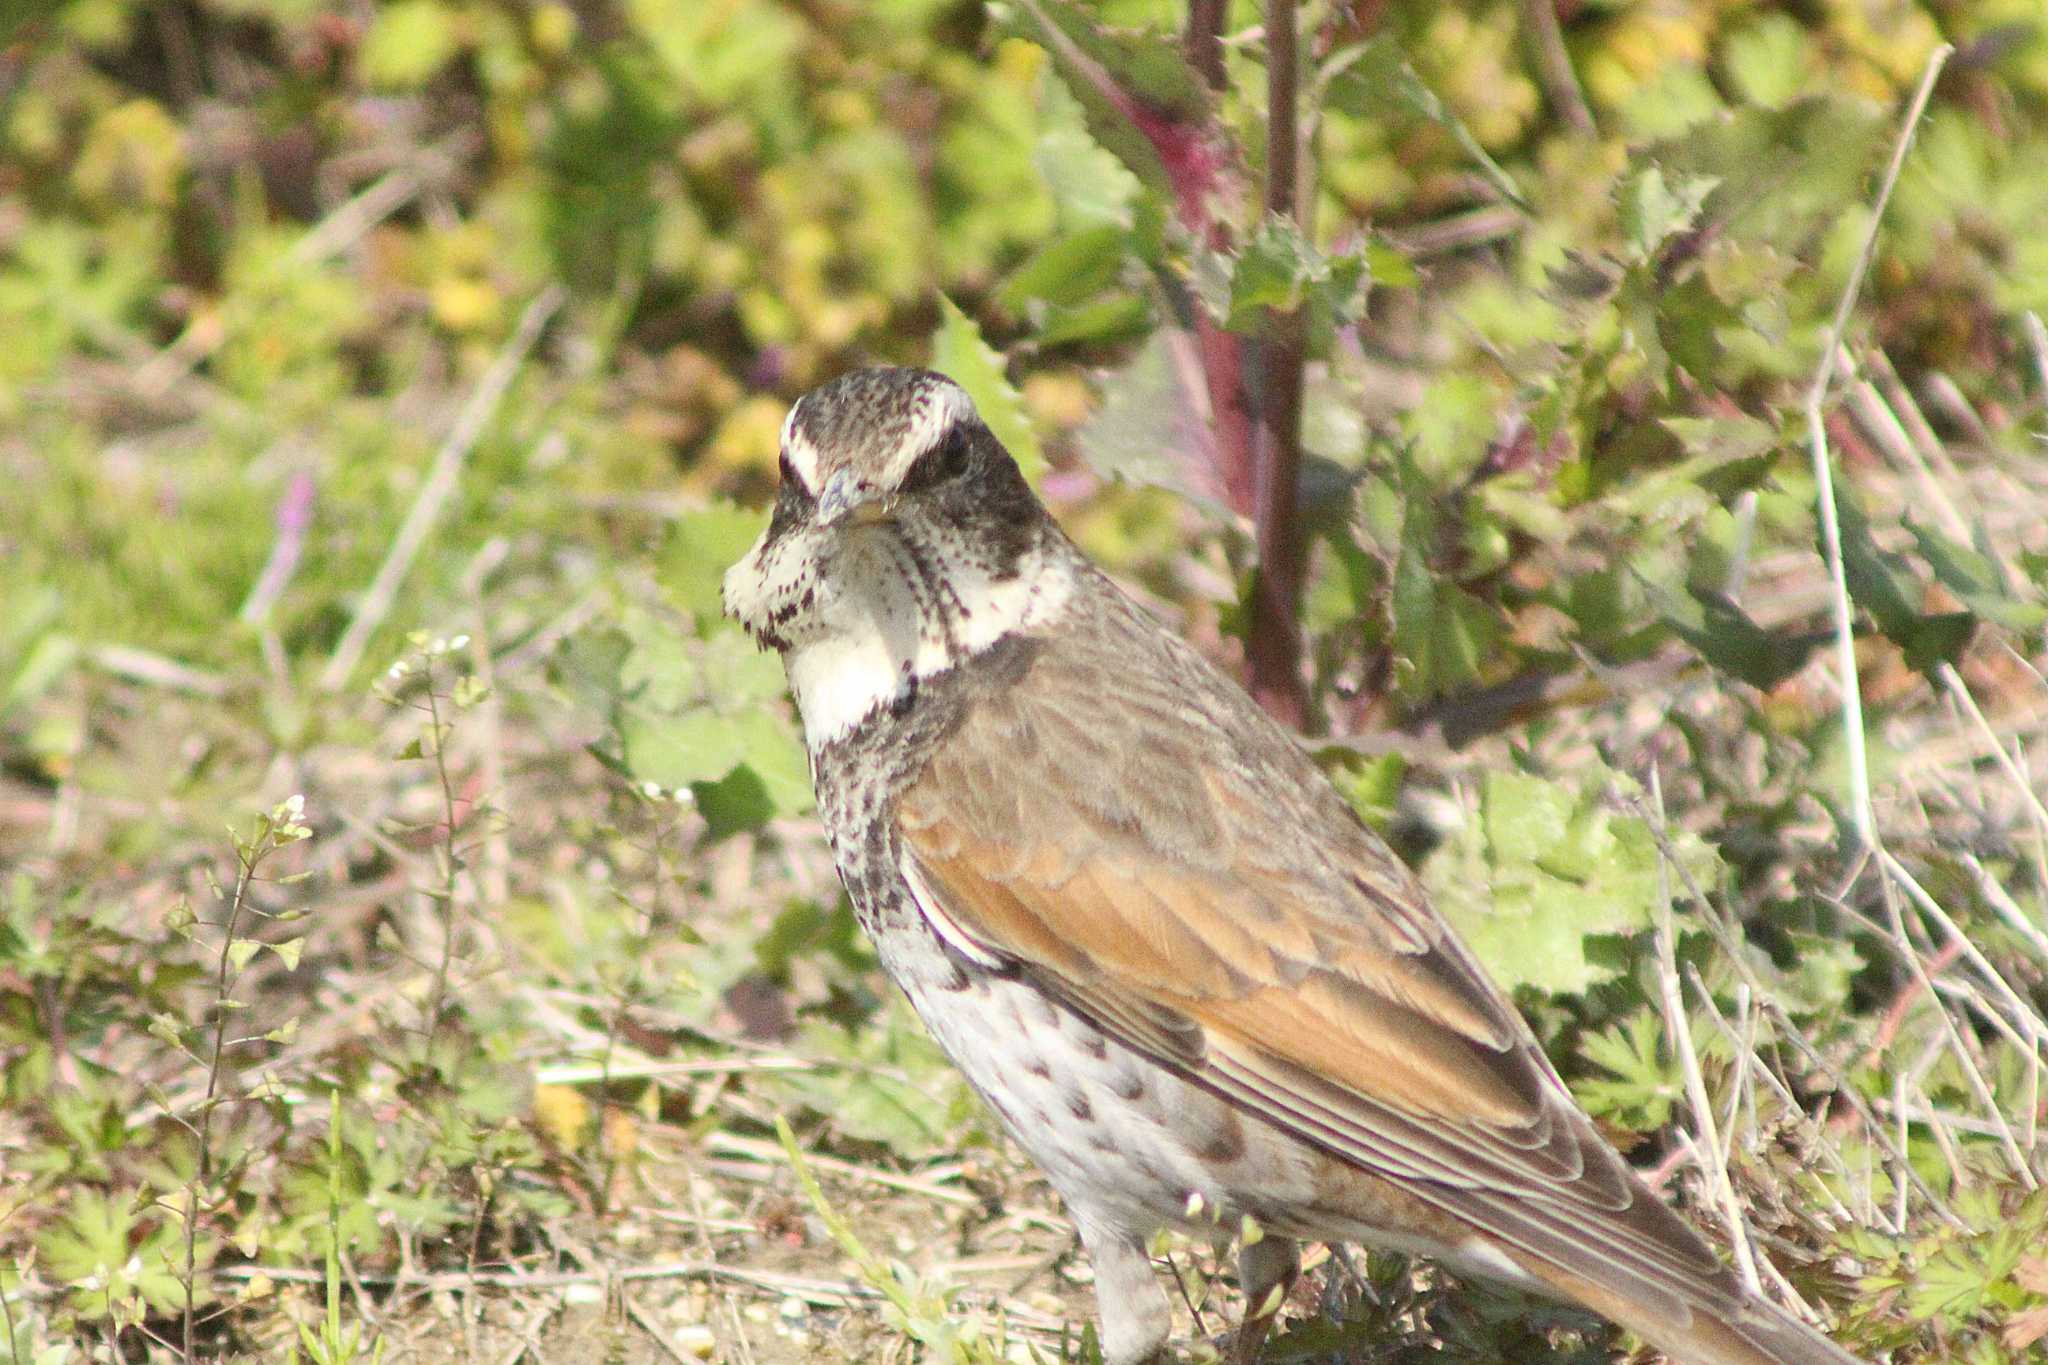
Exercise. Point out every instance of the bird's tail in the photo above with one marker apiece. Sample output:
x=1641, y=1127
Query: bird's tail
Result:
x=1733, y=1328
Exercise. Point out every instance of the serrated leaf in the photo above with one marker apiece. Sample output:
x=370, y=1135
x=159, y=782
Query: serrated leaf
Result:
x=959, y=353
x=1375, y=76
x=1545, y=869
x=1723, y=634
x=701, y=546
x=1643, y=1083
x=1823, y=966
x=1069, y=269
x=1441, y=632
x=1144, y=432
x=1655, y=207
x=1088, y=183
x=776, y=757
x=1100, y=323
x=1141, y=100
x=679, y=750
x=1280, y=270
x=1974, y=577
x=1884, y=586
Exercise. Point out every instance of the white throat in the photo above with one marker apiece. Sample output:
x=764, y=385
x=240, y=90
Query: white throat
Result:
x=878, y=645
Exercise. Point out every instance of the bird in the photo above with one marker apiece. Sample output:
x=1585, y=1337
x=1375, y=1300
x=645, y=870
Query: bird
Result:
x=1188, y=980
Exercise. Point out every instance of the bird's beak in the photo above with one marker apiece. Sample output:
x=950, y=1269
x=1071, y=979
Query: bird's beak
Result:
x=846, y=499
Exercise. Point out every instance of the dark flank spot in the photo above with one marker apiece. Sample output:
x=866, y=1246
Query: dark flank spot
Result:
x=900, y=704
x=1096, y=1046
x=1226, y=1143
x=1129, y=1085
x=1078, y=1106
x=1099, y=1141
x=1037, y=1066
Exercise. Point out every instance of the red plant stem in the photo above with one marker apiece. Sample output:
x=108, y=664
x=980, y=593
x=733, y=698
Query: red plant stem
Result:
x=1273, y=645
x=1204, y=41
x=1230, y=414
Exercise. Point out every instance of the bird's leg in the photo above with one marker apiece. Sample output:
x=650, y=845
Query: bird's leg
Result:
x=1265, y=1271
x=1128, y=1299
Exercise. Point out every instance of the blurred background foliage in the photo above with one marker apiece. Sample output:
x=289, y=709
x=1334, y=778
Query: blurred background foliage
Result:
x=526, y=288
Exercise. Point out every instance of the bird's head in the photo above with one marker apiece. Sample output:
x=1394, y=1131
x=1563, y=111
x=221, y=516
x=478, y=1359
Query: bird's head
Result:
x=904, y=538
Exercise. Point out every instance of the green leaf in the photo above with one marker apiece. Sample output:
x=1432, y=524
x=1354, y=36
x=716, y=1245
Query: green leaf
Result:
x=701, y=546
x=1089, y=184
x=1145, y=432
x=1643, y=1084
x=1823, y=966
x=1069, y=269
x=959, y=353
x=737, y=671
x=1280, y=270
x=734, y=804
x=1766, y=61
x=1441, y=632
x=1726, y=637
x=777, y=758
x=1376, y=76
x=1119, y=75
x=1655, y=208
x=883, y=1086
x=1101, y=323
x=679, y=750
x=1974, y=577
x=1545, y=869
x=1884, y=586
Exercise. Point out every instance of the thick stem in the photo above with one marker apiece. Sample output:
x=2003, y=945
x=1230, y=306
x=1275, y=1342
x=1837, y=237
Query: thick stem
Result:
x=1203, y=42
x=1273, y=647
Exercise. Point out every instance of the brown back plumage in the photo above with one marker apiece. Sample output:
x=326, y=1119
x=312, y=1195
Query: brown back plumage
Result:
x=1306, y=979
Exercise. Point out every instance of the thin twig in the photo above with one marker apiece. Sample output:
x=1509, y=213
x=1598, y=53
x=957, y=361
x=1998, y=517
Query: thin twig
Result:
x=2037, y=342
x=1554, y=66
x=927, y=1186
x=1816, y=426
x=144, y=666
x=1708, y=1147
x=1971, y=1072
x=439, y=485
x=1953, y=682
x=2022, y=1015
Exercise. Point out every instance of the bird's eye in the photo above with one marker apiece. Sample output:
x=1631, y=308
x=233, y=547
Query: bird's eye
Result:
x=946, y=460
x=953, y=455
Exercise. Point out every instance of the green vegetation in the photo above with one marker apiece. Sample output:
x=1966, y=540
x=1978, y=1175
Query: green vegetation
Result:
x=411, y=934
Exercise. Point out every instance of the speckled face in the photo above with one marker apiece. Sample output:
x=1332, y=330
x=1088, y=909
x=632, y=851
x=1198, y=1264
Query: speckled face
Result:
x=904, y=540
x=870, y=426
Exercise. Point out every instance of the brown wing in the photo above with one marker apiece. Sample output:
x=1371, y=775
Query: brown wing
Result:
x=1124, y=825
